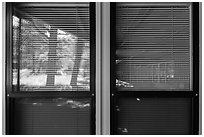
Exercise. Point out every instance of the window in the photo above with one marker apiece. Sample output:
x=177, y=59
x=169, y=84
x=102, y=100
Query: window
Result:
x=51, y=50
x=51, y=47
x=119, y=68
x=154, y=57
x=154, y=116
x=153, y=49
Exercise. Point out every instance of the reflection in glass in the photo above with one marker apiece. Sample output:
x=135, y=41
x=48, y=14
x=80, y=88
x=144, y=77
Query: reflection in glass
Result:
x=52, y=116
x=51, y=54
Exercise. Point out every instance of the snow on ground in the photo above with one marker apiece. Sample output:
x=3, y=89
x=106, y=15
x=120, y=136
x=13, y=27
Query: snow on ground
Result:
x=33, y=80
x=62, y=79
x=29, y=79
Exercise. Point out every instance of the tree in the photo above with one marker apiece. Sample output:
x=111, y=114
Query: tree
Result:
x=51, y=70
x=78, y=54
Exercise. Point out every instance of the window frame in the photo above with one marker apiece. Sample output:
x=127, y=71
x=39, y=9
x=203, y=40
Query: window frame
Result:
x=194, y=94
x=10, y=95
x=105, y=84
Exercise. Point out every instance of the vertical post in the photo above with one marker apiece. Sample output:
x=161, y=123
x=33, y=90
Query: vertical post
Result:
x=51, y=70
x=98, y=68
x=196, y=65
x=8, y=66
x=3, y=68
x=200, y=68
x=105, y=68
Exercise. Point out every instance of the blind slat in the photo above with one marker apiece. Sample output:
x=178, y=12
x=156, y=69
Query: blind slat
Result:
x=153, y=47
x=51, y=46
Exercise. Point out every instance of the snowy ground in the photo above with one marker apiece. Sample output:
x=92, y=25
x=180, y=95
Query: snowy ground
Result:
x=40, y=80
x=32, y=80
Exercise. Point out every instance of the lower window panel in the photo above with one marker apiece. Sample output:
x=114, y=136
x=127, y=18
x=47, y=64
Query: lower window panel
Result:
x=52, y=116
x=154, y=116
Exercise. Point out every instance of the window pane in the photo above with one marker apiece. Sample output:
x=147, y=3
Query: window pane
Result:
x=51, y=47
x=154, y=116
x=153, y=47
x=52, y=116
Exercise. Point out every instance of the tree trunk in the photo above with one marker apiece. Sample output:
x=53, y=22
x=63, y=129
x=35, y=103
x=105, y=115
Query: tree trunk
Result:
x=51, y=69
x=78, y=54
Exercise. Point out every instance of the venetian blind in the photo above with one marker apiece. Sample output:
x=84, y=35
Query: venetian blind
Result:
x=153, y=47
x=51, y=46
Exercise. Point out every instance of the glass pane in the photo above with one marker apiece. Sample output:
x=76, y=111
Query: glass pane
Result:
x=154, y=116
x=153, y=48
x=52, y=116
x=51, y=48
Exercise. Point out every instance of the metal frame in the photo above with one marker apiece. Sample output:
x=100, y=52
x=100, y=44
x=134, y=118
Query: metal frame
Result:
x=53, y=4
x=195, y=25
x=3, y=68
x=106, y=73
x=8, y=62
x=92, y=11
x=189, y=94
x=10, y=96
x=200, y=68
x=104, y=95
x=98, y=68
x=142, y=4
x=112, y=67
